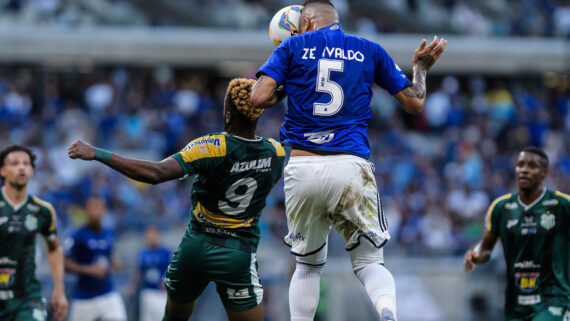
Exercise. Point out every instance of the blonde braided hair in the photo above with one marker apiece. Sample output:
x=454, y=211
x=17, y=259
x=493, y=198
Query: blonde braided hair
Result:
x=239, y=91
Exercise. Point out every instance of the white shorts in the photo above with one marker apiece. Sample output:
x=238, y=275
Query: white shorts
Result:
x=152, y=304
x=337, y=190
x=108, y=306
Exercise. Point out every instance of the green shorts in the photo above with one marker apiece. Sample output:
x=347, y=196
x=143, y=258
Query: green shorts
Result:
x=552, y=313
x=196, y=262
x=23, y=310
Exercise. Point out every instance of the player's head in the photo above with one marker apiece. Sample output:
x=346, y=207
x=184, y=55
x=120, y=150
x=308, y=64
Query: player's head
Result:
x=531, y=168
x=317, y=14
x=152, y=236
x=95, y=209
x=239, y=115
x=17, y=165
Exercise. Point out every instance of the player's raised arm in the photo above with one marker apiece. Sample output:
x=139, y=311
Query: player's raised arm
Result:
x=481, y=253
x=412, y=98
x=265, y=93
x=140, y=170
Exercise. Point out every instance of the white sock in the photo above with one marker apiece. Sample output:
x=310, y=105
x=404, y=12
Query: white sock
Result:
x=380, y=286
x=304, y=292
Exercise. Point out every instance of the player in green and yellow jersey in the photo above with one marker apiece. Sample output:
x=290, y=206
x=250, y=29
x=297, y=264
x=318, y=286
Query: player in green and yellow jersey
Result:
x=22, y=217
x=534, y=227
x=235, y=170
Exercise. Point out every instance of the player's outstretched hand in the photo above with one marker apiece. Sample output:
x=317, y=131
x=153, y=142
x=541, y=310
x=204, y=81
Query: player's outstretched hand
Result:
x=81, y=150
x=59, y=303
x=469, y=261
x=426, y=56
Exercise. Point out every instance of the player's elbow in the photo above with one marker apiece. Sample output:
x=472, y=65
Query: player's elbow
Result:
x=257, y=99
x=414, y=106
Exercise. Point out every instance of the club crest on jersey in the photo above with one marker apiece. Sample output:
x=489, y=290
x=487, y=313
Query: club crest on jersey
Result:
x=33, y=208
x=547, y=220
x=31, y=223
x=2, y=204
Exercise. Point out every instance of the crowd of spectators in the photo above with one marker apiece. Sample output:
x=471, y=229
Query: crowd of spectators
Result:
x=437, y=172
x=540, y=18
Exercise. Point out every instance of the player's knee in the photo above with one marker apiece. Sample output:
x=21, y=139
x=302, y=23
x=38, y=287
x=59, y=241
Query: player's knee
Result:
x=175, y=311
x=364, y=255
x=316, y=259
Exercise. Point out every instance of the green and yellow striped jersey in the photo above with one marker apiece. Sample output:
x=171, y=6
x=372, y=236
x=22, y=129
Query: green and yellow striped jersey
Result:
x=536, y=244
x=19, y=226
x=234, y=177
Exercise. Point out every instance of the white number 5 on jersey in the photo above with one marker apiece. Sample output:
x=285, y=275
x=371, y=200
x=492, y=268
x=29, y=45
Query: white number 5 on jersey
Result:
x=326, y=85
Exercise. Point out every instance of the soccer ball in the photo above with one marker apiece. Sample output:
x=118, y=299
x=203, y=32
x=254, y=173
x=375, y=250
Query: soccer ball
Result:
x=284, y=23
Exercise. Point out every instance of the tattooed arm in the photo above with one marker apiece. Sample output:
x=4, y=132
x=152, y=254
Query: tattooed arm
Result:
x=265, y=93
x=412, y=98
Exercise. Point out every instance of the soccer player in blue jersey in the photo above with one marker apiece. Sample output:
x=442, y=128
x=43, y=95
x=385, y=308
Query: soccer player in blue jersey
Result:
x=235, y=171
x=328, y=77
x=153, y=262
x=89, y=254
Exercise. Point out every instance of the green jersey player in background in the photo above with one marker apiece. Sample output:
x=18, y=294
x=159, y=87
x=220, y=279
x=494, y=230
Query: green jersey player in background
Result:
x=235, y=170
x=534, y=227
x=22, y=217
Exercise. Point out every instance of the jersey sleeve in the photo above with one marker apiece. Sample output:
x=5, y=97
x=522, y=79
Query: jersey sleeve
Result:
x=49, y=229
x=277, y=66
x=201, y=154
x=565, y=202
x=71, y=245
x=280, y=151
x=388, y=74
x=493, y=217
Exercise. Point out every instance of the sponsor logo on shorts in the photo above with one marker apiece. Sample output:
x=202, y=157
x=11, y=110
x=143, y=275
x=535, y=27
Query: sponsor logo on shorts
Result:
x=168, y=283
x=528, y=299
x=238, y=293
x=295, y=237
x=547, y=220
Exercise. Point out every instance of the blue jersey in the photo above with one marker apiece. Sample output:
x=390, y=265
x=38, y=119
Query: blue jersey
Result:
x=152, y=266
x=88, y=247
x=328, y=77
